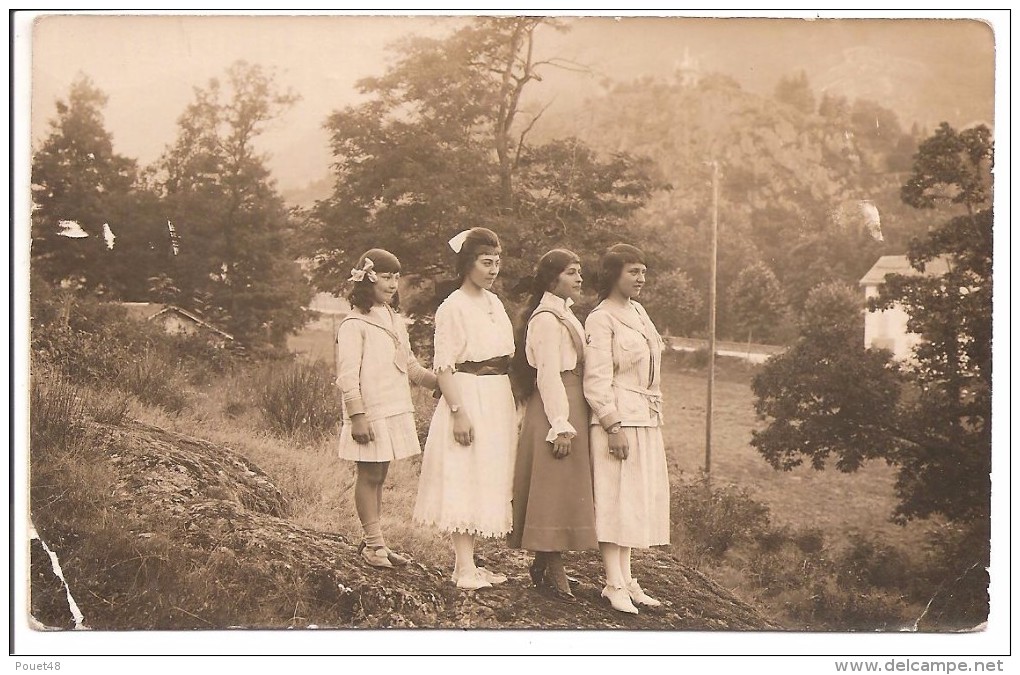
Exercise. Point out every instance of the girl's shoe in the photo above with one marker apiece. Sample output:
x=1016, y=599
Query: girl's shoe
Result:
x=376, y=557
x=472, y=580
x=395, y=558
x=492, y=577
x=619, y=599
x=639, y=596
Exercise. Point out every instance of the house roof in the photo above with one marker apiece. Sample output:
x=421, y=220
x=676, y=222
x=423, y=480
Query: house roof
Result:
x=142, y=310
x=899, y=264
x=177, y=310
x=150, y=310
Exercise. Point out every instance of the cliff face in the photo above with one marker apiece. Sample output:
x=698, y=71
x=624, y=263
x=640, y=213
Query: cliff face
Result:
x=204, y=535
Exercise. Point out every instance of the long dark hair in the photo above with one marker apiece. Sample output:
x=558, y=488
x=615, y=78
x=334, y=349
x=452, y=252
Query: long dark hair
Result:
x=362, y=295
x=522, y=374
x=611, y=266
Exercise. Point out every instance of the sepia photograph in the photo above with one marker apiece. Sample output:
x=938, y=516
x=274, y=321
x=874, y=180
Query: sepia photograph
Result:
x=384, y=326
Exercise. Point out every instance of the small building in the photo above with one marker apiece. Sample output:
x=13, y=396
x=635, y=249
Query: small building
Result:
x=887, y=328
x=177, y=321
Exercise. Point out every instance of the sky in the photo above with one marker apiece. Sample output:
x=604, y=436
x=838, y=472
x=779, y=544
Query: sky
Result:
x=927, y=70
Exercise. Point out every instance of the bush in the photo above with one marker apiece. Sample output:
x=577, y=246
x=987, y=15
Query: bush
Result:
x=867, y=563
x=713, y=519
x=298, y=398
x=155, y=381
x=955, y=575
x=56, y=417
x=691, y=360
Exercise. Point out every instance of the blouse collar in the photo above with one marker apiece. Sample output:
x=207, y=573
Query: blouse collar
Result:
x=553, y=300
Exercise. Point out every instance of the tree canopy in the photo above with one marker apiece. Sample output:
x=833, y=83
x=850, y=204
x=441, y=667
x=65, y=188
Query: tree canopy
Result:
x=931, y=415
x=232, y=260
x=442, y=144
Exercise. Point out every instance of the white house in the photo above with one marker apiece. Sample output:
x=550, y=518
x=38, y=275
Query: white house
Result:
x=887, y=329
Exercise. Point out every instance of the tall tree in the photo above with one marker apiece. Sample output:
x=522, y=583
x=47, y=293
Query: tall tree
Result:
x=233, y=256
x=443, y=144
x=931, y=416
x=756, y=302
x=77, y=177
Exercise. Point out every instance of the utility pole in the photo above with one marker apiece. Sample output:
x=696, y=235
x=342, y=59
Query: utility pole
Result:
x=711, y=318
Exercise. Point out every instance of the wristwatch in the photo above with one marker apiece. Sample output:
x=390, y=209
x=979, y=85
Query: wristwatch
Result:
x=615, y=429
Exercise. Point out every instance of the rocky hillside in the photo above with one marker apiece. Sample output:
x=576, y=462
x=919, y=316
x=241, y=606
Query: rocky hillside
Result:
x=204, y=535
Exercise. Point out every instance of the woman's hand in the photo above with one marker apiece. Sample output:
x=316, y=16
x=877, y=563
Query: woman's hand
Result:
x=463, y=432
x=361, y=430
x=561, y=446
x=618, y=446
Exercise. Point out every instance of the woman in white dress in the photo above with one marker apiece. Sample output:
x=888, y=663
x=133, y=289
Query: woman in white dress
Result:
x=623, y=355
x=467, y=470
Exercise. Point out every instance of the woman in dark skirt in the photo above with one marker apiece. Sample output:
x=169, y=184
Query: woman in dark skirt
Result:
x=553, y=505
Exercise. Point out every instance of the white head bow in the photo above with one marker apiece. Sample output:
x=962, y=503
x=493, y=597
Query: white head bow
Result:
x=366, y=270
x=457, y=242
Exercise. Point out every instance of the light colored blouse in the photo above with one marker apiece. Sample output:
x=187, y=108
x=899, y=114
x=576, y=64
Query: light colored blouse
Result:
x=622, y=362
x=551, y=350
x=375, y=364
x=471, y=329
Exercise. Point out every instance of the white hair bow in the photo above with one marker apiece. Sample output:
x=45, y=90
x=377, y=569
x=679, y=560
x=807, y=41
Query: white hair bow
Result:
x=366, y=269
x=458, y=241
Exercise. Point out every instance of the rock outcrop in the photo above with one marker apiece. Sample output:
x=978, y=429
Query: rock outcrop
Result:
x=211, y=505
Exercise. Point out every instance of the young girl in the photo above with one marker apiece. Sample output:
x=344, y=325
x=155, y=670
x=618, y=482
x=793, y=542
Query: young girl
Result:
x=621, y=382
x=374, y=367
x=552, y=504
x=465, y=481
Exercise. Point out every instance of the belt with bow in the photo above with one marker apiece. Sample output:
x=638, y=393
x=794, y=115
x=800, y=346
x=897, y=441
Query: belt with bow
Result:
x=654, y=397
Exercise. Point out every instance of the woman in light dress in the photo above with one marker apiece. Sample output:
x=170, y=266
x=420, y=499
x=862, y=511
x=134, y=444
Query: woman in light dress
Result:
x=622, y=384
x=466, y=474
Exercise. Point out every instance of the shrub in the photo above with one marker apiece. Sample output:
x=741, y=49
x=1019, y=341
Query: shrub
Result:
x=955, y=576
x=298, y=398
x=715, y=518
x=56, y=417
x=155, y=381
x=692, y=360
x=867, y=563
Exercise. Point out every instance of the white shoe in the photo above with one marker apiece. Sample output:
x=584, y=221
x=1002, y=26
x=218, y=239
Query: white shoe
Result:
x=492, y=577
x=472, y=580
x=619, y=598
x=639, y=596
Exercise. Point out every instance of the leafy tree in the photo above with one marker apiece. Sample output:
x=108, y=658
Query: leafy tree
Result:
x=756, y=301
x=233, y=257
x=946, y=468
x=442, y=144
x=930, y=417
x=674, y=302
x=827, y=395
x=796, y=91
x=77, y=176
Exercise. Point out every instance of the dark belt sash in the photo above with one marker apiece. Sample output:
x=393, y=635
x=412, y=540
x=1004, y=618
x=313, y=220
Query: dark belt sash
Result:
x=497, y=365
